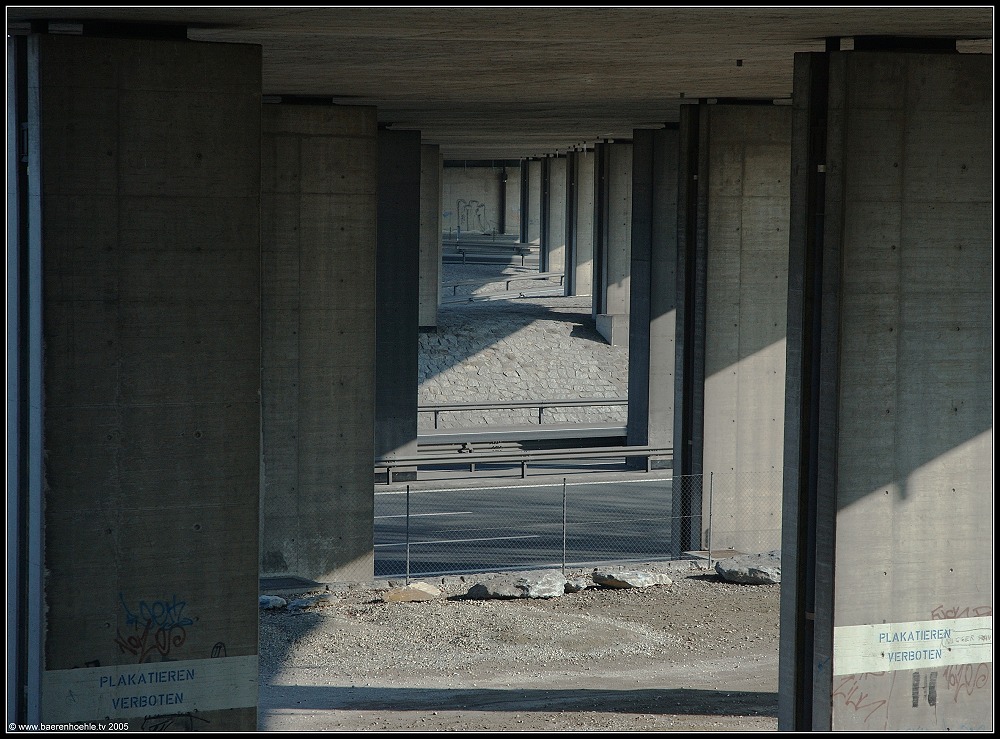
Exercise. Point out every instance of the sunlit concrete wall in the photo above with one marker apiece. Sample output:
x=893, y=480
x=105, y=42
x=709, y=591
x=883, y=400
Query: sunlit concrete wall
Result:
x=749, y=164
x=903, y=401
x=431, y=163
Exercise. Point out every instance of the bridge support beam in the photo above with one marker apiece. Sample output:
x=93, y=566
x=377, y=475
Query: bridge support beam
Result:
x=397, y=296
x=613, y=240
x=318, y=332
x=732, y=283
x=888, y=481
x=580, y=172
x=653, y=293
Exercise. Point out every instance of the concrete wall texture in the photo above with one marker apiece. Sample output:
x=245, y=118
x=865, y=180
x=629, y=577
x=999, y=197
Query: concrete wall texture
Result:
x=581, y=282
x=534, y=199
x=911, y=183
x=555, y=222
x=397, y=295
x=431, y=165
x=749, y=167
x=614, y=241
x=150, y=184
x=471, y=198
x=512, y=219
x=318, y=210
x=653, y=290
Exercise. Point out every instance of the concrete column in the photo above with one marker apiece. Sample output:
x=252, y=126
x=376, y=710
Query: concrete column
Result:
x=555, y=221
x=889, y=432
x=580, y=173
x=431, y=165
x=148, y=178
x=735, y=283
x=533, y=199
x=689, y=373
x=614, y=239
x=653, y=276
x=396, y=290
x=512, y=183
x=749, y=162
x=318, y=200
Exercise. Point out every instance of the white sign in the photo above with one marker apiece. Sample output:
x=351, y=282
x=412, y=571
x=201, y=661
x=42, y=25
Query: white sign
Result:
x=914, y=645
x=149, y=689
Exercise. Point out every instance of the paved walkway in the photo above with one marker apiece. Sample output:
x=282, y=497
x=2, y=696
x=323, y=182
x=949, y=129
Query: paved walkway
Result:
x=517, y=349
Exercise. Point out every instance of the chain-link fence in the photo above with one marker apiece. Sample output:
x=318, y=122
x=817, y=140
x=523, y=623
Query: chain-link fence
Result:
x=421, y=532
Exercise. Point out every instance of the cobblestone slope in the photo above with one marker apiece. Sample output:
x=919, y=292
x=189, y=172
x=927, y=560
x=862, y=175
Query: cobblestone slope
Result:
x=516, y=349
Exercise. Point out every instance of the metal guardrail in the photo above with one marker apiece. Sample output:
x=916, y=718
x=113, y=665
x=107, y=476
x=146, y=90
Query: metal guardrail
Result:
x=507, y=280
x=522, y=457
x=438, y=408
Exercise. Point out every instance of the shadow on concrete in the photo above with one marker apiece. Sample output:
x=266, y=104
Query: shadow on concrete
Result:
x=682, y=701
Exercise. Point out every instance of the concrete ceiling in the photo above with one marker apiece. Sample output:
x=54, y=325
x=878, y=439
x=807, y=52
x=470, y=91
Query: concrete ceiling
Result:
x=512, y=82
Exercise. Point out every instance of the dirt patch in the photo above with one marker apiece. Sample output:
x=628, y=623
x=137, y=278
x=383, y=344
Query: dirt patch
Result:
x=700, y=654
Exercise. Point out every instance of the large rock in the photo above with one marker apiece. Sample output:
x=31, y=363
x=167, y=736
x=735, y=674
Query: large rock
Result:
x=751, y=569
x=630, y=579
x=308, y=601
x=268, y=602
x=542, y=584
x=415, y=591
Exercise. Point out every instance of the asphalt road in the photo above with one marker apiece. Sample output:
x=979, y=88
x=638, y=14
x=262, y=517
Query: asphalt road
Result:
x=480, y=529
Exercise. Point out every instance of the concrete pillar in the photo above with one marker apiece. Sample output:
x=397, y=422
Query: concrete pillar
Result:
x=431, y=165
x=888, y=593
x=396, y=290
x=145, y=166
x=318, y=331
x=653, y=276
x=736, y=278
x=580, y=171
x=512, y=199
x=533, y=200
x=613, y=239
x=554, y=246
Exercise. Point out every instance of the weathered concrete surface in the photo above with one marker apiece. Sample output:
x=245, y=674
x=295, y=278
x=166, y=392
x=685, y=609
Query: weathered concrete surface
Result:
x=533, y=196
x=906, y=465
x=150, y=223
x=749, y=166
x=471, y=199
x=397, y=294
x=554, y=242
x=653, y=290
x=318, y=207
x=614, y=238
x=580, y=239
x=431, y=165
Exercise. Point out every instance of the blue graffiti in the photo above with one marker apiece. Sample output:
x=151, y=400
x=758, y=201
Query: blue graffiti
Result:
x=161, y=614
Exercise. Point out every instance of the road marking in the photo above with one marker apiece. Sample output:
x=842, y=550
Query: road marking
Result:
x=459, y=541
x=417, y=515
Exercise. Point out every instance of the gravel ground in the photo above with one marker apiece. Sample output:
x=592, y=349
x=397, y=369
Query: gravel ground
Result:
x=700, y=654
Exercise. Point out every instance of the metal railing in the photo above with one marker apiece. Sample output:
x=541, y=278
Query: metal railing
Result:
x=521, y=457
x=438, y=408
x=507, y=280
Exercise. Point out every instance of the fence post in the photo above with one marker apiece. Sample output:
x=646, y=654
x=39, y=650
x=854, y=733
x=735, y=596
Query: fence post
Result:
x=711, y=485
x=564, y=528
x=407, y=534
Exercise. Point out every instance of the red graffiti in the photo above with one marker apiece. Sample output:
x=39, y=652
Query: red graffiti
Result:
x=966, y=678
x=852, y=690
x=958, y=612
